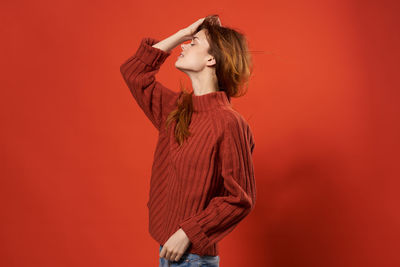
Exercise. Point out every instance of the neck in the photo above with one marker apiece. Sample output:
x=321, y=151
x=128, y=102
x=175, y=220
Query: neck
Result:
x=210, y=101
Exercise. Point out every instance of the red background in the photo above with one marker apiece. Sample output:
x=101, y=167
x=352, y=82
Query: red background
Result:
x=76, y=150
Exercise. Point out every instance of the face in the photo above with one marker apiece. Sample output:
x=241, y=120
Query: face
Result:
x=194, y=56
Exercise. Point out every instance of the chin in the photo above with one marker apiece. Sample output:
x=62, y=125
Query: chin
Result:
x=177, y=65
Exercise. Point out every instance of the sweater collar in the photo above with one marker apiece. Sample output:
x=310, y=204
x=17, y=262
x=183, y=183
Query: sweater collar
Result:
x=210, y=100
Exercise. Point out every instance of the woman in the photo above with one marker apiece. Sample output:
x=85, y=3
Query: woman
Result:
x=202, y=183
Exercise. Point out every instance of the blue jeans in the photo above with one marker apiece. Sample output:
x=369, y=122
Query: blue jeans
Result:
x=190, y=260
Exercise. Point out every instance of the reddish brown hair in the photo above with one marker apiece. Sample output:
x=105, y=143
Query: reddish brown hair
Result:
x=233, y=69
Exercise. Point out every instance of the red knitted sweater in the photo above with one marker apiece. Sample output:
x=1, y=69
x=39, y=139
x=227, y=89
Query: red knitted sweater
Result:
x=207, y=186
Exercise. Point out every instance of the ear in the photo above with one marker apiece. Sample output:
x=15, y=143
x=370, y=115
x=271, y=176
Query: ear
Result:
x=211, y=61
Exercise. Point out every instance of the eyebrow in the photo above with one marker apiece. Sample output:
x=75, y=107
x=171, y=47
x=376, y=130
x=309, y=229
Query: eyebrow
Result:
x=194, y=37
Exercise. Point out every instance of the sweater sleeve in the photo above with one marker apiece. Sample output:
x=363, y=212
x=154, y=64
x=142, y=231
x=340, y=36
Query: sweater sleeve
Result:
x=223, y=213
x=139, y=72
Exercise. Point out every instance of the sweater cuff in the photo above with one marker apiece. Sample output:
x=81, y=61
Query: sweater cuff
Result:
x=195, y=233
x=152, y=56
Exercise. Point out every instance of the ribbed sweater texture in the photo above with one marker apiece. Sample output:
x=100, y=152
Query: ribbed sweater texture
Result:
x=207, y=185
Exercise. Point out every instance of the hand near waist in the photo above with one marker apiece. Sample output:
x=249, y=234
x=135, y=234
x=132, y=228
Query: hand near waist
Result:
x=175, y=246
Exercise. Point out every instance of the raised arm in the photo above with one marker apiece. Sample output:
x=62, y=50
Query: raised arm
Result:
x=139, y=72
